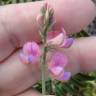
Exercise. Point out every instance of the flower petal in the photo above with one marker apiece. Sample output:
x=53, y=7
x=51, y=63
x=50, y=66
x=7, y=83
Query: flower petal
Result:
x=40, y=19
x=27, y=48
x=32, y=59
x=64, y=32
x=58, y=40
x=24, y=58
x=30, y=53
x=57, y=70
x=28, y=59
x=52, y=34
x=67, y=43
x=31, y=48
x=65, y=76
x=58, y=59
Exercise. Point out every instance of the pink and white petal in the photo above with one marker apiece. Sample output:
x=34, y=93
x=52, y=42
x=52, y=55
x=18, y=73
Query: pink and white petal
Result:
x=23, y=58
x=64, y=32
x=57, y=70
x=64, y=77
x=58, y=40
x=67, y=43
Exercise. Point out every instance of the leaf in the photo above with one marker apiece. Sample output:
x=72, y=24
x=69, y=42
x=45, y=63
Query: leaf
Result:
x=85, y=77
x=59, y=91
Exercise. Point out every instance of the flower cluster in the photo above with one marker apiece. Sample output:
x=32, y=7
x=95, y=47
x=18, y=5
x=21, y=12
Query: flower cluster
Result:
x=32, y=53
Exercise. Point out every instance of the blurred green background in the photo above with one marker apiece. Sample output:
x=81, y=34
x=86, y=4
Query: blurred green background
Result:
x=79, y=85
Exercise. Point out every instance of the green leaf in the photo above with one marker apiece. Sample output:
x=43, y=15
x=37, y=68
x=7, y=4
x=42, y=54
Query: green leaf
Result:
x=85, y=77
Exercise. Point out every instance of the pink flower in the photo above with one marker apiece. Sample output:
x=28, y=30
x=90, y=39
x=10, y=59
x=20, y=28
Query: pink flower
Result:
x=57, y=66
x=31, y=53
x=61, y=40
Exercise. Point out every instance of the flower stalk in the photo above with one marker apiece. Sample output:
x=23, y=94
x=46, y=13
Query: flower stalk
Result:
x=47, y=21
x=43, y=64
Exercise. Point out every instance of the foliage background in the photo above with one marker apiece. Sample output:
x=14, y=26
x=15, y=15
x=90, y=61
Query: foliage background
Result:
x=80, y=84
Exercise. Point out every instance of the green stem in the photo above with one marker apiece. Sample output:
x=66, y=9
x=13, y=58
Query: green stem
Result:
x=44, y=71
x=43, y=65
x=44, y=55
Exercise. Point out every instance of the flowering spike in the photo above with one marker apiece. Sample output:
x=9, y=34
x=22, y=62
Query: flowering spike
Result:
x=31, y=51
x=44, y=8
